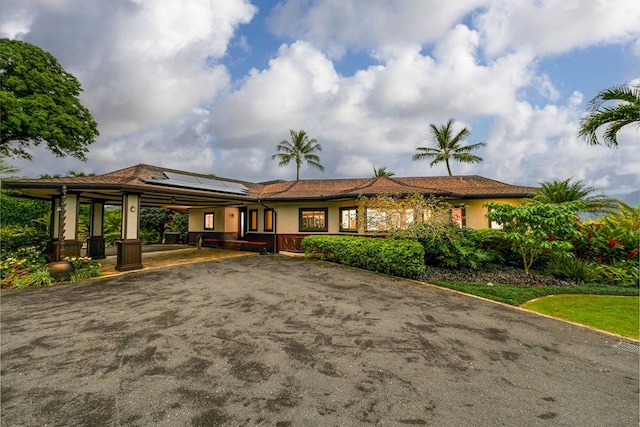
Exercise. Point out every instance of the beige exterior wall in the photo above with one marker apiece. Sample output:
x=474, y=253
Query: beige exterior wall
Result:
x=287, y=215
x=475, y=212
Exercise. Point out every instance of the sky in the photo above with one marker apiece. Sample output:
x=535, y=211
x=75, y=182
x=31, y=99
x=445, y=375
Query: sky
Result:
x=212, y=86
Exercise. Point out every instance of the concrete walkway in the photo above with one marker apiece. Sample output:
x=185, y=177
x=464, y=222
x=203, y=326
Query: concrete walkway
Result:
x=160, y=256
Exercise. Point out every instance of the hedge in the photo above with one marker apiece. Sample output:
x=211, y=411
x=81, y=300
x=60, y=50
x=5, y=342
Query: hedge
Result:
x=402, y=258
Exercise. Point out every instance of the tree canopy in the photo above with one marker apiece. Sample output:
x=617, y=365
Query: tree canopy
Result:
x=299, y=149
x=582, y=196
x=448, y=146
x=39, y=103
x=624, y=111
x=378, y=172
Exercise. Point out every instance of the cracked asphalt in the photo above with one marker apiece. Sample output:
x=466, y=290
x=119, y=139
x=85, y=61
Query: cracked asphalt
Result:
x=277, y=341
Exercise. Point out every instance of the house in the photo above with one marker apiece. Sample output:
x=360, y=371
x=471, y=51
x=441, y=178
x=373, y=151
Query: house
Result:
x=273, y=216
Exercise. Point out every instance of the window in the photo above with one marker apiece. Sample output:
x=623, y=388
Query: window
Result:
x=253, y=220
x=348, y=219
x=380, y=220
x=313, y=219
x=208, y=221
x=458, y=216
x=268, y=220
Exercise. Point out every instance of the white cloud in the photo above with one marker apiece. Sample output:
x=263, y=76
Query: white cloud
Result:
x=339, y=25
x=557, y=26
x=155, y=79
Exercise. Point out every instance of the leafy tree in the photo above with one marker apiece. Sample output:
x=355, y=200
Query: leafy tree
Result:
x=299, y=149
x=625, y=111
x=536, y=229
x=377, y=172
x=39, y=103
x=112, y=221
x=558, y=192
x=154, y=219
x=448, y=147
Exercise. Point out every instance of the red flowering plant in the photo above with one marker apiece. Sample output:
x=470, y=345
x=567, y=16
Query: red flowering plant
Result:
x=18, y=266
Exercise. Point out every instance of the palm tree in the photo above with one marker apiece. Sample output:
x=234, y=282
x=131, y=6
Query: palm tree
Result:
x=299, y=149
x=448, y=147
x=558, y=192
x=625, y=112
x=377, y=172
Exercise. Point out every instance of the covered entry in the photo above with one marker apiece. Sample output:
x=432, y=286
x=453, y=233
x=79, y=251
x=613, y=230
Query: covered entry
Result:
x=131, y=189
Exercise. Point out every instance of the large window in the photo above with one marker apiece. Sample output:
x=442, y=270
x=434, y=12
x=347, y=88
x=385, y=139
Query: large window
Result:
x=381, y=220
x=253, y=220
x=268, y=220
x=349, y=219
x=209, y=223
x=313, y=219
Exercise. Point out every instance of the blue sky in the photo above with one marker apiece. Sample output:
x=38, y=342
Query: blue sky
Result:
x=213, y=86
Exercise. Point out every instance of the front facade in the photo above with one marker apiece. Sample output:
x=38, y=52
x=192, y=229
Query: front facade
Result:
x=273, y=216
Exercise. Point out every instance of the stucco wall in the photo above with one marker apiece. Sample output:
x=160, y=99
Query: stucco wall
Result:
x=287, y=215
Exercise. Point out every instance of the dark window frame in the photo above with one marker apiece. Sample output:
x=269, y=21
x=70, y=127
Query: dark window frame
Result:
x=253, y=220
x=325, y=212
x=213, y=221
x=348, y=208
x=268, y=225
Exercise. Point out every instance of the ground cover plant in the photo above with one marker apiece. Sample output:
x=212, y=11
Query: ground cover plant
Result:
x=620, y=315
x=27, y=267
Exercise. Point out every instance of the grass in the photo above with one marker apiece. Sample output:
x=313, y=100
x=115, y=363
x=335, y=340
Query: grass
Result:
x=620, y=315
x=519, y=294
x=599, y=306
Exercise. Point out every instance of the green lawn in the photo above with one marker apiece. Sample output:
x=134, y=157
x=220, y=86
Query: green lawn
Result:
x=620, y=315
x=599, y=306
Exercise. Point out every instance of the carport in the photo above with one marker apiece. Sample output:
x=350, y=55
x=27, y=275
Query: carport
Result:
x=131, y=188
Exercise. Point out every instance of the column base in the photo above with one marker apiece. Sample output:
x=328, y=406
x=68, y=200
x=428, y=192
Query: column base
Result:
x=59, y=249
x=129, y=255
x=95, y=247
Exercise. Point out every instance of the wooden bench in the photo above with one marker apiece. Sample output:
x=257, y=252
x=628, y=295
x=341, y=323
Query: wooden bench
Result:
x=212, y=243
x=247, y=245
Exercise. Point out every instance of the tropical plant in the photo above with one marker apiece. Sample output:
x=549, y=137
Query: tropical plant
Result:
x=536, y=229
x=378, y=172
x=5, y=168
x=625, y=111
x=448, y=147
x=39, y=103
x=558, y=192
x=299, y=149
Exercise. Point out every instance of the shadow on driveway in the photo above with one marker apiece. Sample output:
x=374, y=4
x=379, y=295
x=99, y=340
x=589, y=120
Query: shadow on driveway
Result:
x=280, y=341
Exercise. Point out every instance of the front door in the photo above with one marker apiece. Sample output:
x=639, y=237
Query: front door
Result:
x=242, y=223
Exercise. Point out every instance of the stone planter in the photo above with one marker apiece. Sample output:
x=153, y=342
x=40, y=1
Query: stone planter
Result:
x=60, y=270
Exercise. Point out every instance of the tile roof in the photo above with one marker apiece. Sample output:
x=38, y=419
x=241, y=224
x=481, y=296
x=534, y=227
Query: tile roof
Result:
x=133, y=178
x=456, y=186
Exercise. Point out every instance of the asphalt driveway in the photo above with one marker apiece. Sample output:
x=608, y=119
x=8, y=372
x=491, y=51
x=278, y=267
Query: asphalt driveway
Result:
x=271, y=340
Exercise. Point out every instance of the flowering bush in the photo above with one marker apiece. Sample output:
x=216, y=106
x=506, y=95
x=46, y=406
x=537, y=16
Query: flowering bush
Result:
x=83, y=268
x=27, y=268
x=17, y=266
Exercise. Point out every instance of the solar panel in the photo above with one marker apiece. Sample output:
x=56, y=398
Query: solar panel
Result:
x=199, y=183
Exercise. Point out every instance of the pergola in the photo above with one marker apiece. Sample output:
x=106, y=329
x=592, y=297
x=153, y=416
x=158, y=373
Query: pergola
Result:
x=131, y=188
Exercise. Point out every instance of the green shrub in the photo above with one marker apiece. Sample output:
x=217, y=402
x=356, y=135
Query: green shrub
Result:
x=38, y=278
x=13, y=237
x=111, y=238
x=150, y=237
x=573, y=269
x=403, y=258
x=622, y=273
x=495, y=243
x=83, y=268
